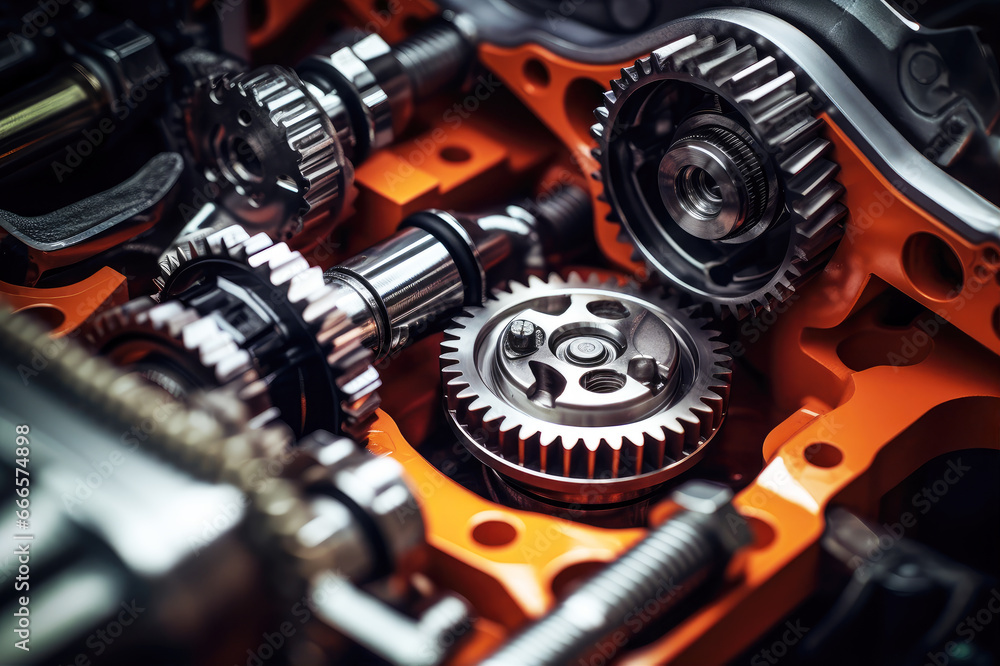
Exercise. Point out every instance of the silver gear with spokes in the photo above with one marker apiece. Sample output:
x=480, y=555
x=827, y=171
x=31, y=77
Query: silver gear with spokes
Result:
x=584, y=391
x=265, y=135
x=714, y=166
x=285, y=313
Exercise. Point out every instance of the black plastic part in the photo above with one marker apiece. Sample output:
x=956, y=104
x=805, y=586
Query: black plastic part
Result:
x=466, y=262
x=85, y=219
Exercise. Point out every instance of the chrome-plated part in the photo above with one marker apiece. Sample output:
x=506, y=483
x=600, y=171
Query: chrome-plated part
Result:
x=726, y=247
x=917, y=177
x=375, y=485
x=46, y=113
x=405, y=283
x=268, y=141
x=294, y=285
x=713, y=183
x=689, y=550
x=180, y=351
x=364, y=76
x=425, y=641
x=624, y=394
x=442, y=261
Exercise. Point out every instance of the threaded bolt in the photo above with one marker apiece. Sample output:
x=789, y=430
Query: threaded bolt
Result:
x=676, y=558
x=434, y=58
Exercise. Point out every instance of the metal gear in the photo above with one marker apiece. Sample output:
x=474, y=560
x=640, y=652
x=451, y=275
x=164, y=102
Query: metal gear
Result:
x=617, y=393
x=748, y=115
x=279, y=310
x=268, y=140
x=181, y=351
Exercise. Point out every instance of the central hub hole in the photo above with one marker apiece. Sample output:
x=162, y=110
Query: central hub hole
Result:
x=698, y=192
x=243, y=160
x=587, y=350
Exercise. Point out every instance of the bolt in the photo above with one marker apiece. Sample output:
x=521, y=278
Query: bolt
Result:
x=523, y=336
x=691, y=548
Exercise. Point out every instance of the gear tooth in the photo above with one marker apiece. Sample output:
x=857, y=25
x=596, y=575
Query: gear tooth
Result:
x=597, y=131
x=766, y=96
x=800, y=160
x=706, y=60
x=752, y=77
x=811, y=180
x=684, y=59
x=601, y=113
x=782, y=118
x=452, y=376
x=620, y=85
x=306, y=283
x=784, y=114
x=643, y=65
x=230, y=238
x=251, y=246
x=722, y=69
x=629, y=74
x=785, y=142
x=534, y=282
x=661, y=56
x=818, y=201
x=609, y=99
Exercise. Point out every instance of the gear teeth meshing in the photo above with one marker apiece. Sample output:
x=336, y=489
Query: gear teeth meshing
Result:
x=308, y=295
x=661, y=444
x=781, y=110
x=197, y=337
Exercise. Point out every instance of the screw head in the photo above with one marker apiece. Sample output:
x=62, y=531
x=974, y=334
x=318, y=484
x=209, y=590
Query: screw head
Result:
x=702, y=496
x=523, y=336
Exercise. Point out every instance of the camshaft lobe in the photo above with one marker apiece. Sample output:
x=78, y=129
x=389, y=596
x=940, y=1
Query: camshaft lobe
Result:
x=677, y=558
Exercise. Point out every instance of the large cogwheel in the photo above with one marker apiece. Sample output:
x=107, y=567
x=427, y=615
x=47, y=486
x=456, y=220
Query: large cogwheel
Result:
x=266, y=139
x=584, y=391
x=713, y=163
x=246, y=304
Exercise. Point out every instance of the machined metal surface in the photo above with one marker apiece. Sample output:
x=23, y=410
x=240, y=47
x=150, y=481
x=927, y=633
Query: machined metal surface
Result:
x=267, y=141
x=300, y=332
x=712, y=181
x=48, y=112
x=621, y=392
x=913, y=174
x=706, y=108
x=406, y=286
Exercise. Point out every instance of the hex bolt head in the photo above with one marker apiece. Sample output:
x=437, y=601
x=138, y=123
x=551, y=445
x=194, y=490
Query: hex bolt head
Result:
x=715, y=500
x=523, y=336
